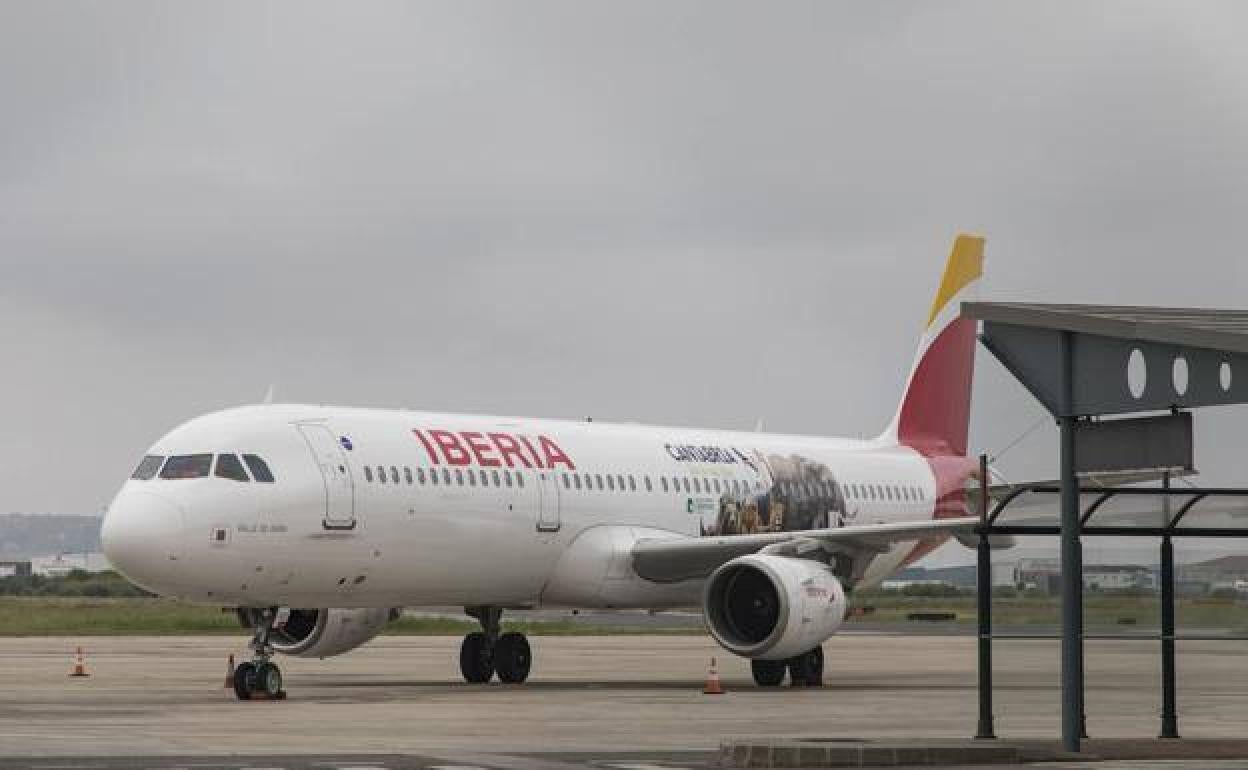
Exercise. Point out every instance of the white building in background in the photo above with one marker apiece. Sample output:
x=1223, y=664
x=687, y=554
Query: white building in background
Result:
x=61, y=564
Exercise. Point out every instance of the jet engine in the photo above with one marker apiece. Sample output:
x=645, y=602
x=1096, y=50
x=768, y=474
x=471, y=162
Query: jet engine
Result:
x=322, y=633
x=772, y=607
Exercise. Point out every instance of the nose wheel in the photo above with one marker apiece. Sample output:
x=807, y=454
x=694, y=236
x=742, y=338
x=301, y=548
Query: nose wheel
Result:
x=260, y=678
x=488, y=652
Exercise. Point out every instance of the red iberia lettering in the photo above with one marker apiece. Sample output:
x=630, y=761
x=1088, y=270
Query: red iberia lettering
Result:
x=433, y=456
x=508, y=448
x=452, y=451
x=554, y=455
x=537, y=460
x=491, y=450
x=481, y=449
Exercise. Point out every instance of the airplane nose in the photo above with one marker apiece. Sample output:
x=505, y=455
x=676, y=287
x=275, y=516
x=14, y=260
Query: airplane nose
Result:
x=142, y=537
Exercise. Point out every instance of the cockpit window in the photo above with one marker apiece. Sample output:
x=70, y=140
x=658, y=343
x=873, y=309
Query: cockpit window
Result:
x=148, y=467
x=228, y=467
x=186, y=467
x=259, y=469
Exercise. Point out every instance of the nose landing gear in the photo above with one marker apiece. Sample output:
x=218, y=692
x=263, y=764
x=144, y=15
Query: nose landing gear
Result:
x=486, y=652
x=260, y=678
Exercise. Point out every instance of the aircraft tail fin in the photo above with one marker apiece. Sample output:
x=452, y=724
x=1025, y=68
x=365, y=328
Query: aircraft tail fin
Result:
x=935, y=410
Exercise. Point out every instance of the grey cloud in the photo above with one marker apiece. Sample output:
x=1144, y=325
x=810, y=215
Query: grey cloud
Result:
x=695, y=213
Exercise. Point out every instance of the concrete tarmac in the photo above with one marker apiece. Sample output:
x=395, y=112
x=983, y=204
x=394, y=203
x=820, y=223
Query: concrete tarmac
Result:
x=592, y=701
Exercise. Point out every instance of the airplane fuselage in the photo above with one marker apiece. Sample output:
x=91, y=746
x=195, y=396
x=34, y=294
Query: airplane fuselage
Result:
x=381, y=508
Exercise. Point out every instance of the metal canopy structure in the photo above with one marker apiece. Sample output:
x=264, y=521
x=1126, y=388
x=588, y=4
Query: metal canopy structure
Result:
x=1125, y=357
x=1083, y=362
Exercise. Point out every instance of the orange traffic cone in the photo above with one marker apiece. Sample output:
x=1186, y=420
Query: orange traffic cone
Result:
x=229, y=673
x=80, y=666
x=713, y=687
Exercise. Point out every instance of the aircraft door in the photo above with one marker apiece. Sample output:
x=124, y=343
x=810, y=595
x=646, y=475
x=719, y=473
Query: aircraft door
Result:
x=548, y=517
x=336, y=473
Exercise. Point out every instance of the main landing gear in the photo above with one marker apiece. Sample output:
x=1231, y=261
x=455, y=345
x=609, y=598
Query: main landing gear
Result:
x=487, y=652
x=805, y=670
x=260, y=678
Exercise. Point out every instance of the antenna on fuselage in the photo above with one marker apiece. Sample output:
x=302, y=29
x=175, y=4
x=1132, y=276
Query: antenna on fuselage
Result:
x=758, y=425
x=268, y=394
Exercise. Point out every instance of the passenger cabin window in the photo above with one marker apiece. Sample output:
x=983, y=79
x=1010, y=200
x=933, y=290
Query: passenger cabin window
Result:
x=407, y=474
x=420, y=475
x=381, y=474
x=228, y=467
x=394, y=474
x=485, y=478
x=186, y=467
x=148, y=467
x=368, y=473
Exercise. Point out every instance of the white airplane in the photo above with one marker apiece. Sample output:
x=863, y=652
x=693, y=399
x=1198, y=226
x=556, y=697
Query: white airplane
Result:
x=319, y=522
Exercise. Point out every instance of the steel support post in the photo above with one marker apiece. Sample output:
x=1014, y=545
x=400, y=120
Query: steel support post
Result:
x=1072, y=563
x=983, y=592
x=1169, y=709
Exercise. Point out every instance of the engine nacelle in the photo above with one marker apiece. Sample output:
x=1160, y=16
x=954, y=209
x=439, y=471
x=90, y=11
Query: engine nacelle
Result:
x=322, y=633
x=772, y=607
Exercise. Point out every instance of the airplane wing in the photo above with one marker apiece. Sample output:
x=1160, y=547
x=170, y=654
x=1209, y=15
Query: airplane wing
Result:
x=1087, y=482
x=669, y=560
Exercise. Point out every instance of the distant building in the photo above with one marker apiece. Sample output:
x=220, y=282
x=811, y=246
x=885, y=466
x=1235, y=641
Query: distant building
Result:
x=897, y=585
x=1118, y=577
x=15, y=569
x=61, y=564
x=1046, y=575
x=1038, y=574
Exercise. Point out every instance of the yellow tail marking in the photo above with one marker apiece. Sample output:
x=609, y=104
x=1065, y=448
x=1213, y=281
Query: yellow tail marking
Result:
x=966, y=263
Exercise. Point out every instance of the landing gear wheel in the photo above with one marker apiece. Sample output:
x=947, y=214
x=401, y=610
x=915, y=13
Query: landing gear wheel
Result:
x=475, y=661
x=244, y=680
x=768, y=673
x=512, y=658
x=268, y=680
x=806, y=670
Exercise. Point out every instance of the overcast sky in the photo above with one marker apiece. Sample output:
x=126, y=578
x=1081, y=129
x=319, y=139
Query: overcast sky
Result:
x=686, y=213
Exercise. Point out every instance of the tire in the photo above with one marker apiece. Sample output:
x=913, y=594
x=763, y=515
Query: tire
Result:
x=244, y=680
x=806, y=670
x=512, y=658
x=268, y=679
x=475, y=661
x=768, y=673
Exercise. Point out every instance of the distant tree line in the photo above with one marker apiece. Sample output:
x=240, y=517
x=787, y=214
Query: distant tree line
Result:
x=77, y=583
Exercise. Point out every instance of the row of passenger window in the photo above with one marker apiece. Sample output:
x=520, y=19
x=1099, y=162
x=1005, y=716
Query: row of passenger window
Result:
x=506, y=477
x=198, y=466
x=628, y=483
x=887, y=492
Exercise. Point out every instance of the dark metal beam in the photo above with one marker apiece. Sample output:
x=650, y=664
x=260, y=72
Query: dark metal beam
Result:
x=1169, y=708
x=1094, y=531
x=1071, y=560
x=983, y=592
